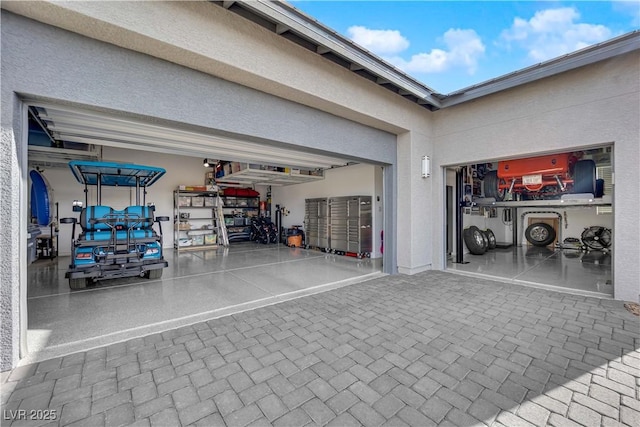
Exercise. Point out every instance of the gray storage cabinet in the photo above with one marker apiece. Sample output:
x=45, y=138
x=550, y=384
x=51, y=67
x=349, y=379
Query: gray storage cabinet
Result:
x=359, y=233
x=316, y=223
x=351, y=225
x=340, y=224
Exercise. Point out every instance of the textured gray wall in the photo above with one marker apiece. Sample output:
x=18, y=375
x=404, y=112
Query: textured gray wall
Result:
x=43, y=62
x=591, y=106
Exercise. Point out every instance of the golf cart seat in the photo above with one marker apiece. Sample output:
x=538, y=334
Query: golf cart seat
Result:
x=133, y=224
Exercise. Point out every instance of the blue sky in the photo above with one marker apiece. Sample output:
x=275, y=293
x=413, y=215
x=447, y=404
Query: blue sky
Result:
x=449, y=45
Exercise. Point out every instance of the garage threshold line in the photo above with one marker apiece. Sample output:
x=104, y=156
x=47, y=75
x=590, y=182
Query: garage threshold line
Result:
x=197, y=253
x=80, y=291
x=514, y=281
x=61, y=350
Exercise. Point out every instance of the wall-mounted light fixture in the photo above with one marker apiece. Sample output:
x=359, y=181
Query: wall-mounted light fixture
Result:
x=426, y=167
x=208, y=163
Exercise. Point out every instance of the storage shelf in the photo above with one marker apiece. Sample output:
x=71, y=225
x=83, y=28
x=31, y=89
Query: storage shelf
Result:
x=547, y=203
x=207, y=213
x=250, y=176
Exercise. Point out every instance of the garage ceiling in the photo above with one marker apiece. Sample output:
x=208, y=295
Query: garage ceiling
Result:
x=98, y=128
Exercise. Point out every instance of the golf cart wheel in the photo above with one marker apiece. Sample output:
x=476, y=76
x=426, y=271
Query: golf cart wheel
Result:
x=475, y=240
x=491, y=238
x=153, y=274
x=78, y=283
x=584, y=177
x=491, y=183
x=540, y=234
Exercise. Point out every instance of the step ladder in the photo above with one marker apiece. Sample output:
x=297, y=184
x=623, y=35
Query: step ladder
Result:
x=221, y=227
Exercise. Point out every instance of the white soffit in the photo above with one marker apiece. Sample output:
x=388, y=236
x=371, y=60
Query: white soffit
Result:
x=91, y=127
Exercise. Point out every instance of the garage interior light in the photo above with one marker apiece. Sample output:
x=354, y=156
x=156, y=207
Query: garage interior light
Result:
x=90, y=127
x=208, y=163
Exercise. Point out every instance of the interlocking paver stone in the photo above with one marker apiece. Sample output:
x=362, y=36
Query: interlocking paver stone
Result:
x=388, y=405
x=196, y=412
x=433, y=348
x=272, y=407
x=227, y=402
x=319, y=412
x=297, y=397
x=295, y=418
x=119, y=416
x=342, y=401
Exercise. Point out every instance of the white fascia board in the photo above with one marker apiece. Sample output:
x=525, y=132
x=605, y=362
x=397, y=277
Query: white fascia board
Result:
x=291, y=18
x=590, y=55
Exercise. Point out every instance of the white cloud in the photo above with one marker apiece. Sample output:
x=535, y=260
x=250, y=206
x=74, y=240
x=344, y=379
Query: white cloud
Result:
x=381, y=42
x=553, y=32
x=464, y=49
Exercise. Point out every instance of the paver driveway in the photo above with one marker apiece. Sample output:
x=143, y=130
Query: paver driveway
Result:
x=435, y=348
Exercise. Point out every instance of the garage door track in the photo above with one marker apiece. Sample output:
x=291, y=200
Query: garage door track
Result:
x=430, y=349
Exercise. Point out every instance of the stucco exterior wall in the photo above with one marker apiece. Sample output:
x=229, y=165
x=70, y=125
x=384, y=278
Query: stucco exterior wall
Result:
x=246, y=53
x=590, y=106
x=50, y=64
x=121, y=55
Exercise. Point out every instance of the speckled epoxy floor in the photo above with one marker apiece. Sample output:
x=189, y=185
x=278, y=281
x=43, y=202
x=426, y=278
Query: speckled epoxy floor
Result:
x=587, y=273
x=196, y=285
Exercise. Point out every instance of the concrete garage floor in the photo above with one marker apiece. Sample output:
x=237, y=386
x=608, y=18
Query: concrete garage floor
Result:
x=197, y=285
x=584, y=273
x=431, y=349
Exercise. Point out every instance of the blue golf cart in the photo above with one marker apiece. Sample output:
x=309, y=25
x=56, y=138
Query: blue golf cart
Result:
x=114, y=243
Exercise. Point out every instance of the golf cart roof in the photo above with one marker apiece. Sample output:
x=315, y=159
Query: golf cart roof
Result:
x=114, y=174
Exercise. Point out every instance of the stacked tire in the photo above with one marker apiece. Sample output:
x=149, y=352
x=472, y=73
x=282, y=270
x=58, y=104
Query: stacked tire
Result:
x=479, y=241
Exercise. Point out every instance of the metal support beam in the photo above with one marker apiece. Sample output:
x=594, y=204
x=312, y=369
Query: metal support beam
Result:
x=459, y=208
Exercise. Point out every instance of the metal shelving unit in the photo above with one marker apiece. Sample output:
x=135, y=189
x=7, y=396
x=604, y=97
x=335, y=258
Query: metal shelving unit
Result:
x=238, y=211
x=197, y=221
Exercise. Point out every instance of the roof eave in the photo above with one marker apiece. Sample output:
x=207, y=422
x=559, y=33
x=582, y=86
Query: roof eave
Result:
x=289, y=19
x=618, y=46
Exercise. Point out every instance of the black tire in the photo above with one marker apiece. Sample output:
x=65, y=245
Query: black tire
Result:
x=475, y=240
x=78, y=283
x=263, y=238
x=540, y=234
x=153, y=274
x=491, y=189
x=273, y=238
x=584, y=177
x=491, y=237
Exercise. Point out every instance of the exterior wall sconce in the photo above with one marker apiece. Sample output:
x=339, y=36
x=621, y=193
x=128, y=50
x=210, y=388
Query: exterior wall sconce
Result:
x=426, y=167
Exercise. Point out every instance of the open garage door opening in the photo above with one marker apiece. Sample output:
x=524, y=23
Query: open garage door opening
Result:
x=246, y=225
x=543, y=220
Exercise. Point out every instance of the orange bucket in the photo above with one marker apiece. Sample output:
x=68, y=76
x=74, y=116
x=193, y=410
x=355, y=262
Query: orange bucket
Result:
x=295, y=241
